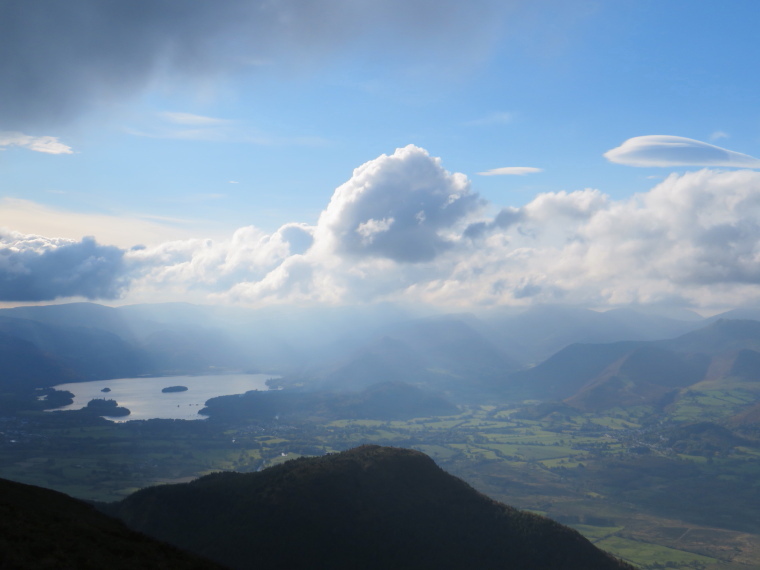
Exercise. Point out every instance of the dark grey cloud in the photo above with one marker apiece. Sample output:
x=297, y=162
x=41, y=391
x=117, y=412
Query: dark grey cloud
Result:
x=526, y=291
x=59, y=58
x=723, y=253
x=504, y=219
x=33, y=268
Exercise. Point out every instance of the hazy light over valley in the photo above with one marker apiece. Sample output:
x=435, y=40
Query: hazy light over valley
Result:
x=457, y=155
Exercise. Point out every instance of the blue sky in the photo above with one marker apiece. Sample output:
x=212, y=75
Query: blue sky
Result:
x=169, y=124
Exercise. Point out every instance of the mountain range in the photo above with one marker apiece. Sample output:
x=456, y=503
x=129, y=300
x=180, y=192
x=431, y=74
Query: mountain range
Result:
x=642, y=358
x=84, y=341
x=593, y=377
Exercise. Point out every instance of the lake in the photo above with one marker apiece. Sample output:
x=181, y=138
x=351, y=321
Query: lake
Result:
x=143, y=396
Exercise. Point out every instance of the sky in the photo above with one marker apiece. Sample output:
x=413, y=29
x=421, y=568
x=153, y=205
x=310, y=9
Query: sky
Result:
x=438, y=152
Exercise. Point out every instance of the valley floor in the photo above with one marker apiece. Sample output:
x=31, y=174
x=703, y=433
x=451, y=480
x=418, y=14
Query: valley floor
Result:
x=656, y=500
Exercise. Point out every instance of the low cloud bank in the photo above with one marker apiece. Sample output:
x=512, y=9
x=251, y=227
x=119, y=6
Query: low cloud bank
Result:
x=35, y=268
x=404, y=228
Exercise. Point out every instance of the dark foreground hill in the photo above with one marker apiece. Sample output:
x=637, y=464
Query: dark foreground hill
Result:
x=40, y=528
x=370, y=507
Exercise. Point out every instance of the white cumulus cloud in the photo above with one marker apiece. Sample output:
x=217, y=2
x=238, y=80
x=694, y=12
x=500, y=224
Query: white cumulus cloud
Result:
x=401, y=207
x=692, y=240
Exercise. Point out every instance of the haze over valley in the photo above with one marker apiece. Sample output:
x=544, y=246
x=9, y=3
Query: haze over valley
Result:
x=554, y=409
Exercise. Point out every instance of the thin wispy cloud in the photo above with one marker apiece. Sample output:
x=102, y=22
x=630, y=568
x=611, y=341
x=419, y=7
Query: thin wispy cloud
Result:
x=203, y=197
x=499, y=118
x=717, y=135
x=208, y=135
x=188, y=126
x=124, y=230
x=668, y=151
x=45, y=144
x=210, y=129
x=191, y=119
x=511, y=171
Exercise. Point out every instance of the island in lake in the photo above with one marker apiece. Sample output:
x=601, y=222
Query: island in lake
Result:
x=175, y=389
x=106, y=390
x=109, y=408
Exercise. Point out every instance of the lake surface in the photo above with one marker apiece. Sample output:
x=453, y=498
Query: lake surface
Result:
x=143, y=396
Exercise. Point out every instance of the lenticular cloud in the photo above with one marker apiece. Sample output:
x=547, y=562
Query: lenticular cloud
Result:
x=663, y=150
